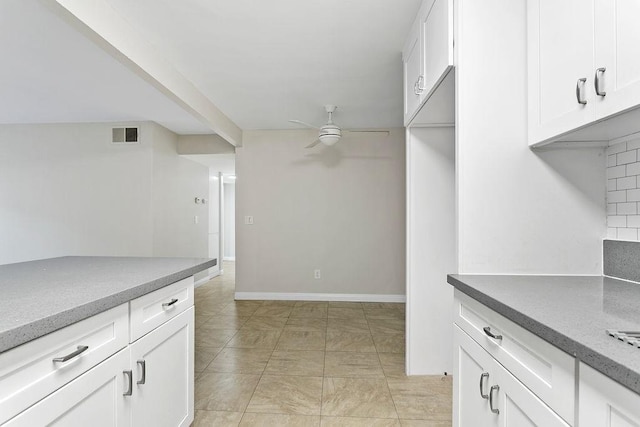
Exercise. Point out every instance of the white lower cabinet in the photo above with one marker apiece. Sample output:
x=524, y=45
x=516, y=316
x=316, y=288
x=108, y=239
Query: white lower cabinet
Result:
x=486, y=394
x=604, y=402
x=99, y=372
x=95, y=398
x=163, y=381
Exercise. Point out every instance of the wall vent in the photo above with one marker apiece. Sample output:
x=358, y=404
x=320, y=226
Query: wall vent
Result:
x=125, y=135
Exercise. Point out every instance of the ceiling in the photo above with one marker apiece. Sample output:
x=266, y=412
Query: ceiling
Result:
x=260, y=62
x=51, y=73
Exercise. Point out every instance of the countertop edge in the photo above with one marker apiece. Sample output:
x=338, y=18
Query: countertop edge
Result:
x=30, y=331
x=603, y=364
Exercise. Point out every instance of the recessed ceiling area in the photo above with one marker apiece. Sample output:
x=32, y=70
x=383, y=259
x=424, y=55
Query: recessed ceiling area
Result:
x=263, y=63
x=52, y=73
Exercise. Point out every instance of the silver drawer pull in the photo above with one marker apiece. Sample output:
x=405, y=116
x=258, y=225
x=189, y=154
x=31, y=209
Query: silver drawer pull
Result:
x=129, y=375
x=482, y=377
x=496, y=388
x=143, y=377
x=170, y=303
x=487, y=330
x=81, y=349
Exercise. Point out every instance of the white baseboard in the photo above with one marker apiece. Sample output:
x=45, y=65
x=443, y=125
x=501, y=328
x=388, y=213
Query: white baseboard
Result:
x=229, y=258
x=205, y=279
x=283, y=296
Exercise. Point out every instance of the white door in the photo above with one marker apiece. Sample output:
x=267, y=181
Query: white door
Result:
x=518, y=406
x=617, y=55
x=472, y=383
x=437, y=42
x=95, y=398
x=162, y=362
x=412, y=73
x=604, y=402
x=560, y=65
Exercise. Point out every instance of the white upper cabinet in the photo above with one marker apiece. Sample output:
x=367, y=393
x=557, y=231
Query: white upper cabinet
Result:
x=427, y=55
x=583, y=66
x=617, y=50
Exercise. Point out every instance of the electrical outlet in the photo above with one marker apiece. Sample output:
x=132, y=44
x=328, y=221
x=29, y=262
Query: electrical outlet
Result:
x=248, y=219
x=316, y=274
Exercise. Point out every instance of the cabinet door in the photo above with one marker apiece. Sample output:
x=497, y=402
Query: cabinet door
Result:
x=412, y=72
x=437, y=42
x=518, y=406
x=560, y=51
x=95, y=398
x=604, y=402
x=617, y=41
x=162, y=362
x=471, y=373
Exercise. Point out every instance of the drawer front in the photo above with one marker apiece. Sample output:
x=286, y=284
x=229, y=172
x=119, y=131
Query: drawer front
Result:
x=152, y=310
x=28, y=373
x=543, y=368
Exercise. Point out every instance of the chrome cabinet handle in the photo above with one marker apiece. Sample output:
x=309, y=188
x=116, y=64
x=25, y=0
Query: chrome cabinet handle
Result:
x=579, y=92
x=496, y=388
x=487, y=330
x=129, y=375
x=482, y=377
x=170, y=303
x=81, y=349
x=143, y=377
x=596, y=83
x=420, y=83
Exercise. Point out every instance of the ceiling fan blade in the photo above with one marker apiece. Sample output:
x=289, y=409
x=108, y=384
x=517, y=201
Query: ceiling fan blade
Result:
x=366, y=131
x=304, y=124
x=313, y=144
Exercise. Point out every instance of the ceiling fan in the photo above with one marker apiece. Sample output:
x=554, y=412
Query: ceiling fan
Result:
x=330, y=133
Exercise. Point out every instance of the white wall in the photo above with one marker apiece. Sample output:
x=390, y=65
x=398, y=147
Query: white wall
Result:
x=519, y=211
x=430, y=249
x=176, y=184
x=66, y=190
x=339, y=209
x=229, y=221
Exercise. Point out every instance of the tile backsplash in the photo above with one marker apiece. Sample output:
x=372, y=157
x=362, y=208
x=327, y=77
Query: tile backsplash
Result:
x=623, y=191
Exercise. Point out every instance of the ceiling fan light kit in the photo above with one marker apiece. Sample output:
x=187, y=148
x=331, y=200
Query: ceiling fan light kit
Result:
x=330, y=133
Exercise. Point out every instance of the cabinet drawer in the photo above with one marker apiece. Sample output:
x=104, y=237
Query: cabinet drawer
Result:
x=152, y=310
x=543, y=368
x=28, y=373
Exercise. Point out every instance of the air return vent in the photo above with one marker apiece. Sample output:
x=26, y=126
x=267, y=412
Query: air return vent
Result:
x=125, y=135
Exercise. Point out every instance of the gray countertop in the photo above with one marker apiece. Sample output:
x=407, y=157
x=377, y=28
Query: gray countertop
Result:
x=39, y=297
x=570, y=312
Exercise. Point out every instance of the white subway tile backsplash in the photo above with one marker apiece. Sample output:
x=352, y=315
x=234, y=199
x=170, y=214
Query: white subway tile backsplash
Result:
x=626, y=208
x=633, y=221
x=633, y=169
x=627, y=234
x=618, y=221
x=633, y=145
x=617, y=148
x=616, y=196
x=626, y=183
x=626, y=157
x=623, y=191
x=616, y=172
x=633, y=196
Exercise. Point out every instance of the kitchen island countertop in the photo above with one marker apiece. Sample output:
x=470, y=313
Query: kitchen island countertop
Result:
x=570, y=312
x=39, y=297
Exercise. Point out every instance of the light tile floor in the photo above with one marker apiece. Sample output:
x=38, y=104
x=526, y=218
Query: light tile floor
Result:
x=296, y=363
